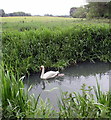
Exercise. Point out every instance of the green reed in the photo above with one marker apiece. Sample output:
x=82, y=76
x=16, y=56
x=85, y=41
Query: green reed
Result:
x=16, y=101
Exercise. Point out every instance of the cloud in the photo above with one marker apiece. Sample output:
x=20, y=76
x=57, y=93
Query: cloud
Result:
x=40, y=7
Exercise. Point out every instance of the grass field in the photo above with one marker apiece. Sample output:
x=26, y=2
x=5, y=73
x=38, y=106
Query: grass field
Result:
x=15, y=23
x=34, y=23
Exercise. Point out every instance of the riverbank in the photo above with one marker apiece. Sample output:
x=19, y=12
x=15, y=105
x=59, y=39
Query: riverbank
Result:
x=55, y=44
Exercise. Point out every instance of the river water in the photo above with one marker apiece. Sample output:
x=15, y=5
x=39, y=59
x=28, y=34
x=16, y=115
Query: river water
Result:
x=75, y=76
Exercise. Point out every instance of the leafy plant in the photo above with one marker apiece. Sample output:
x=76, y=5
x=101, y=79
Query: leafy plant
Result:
x=17, y=103
x=27, y=50
x=76, y=105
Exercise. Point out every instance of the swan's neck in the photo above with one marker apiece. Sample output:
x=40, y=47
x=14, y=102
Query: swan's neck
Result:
x=42, y=72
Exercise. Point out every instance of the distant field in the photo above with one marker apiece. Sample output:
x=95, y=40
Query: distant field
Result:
x=34, y=23
x=19, y=23
x=30, y=19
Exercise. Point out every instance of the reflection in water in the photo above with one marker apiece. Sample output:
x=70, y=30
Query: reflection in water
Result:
x=87, y=69
x=75, y=77
x=43, y=84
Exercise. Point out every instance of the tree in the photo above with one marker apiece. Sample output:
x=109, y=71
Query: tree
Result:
x=2, y=13
x=92, y=10
x=78, y=12
x=98, y=10
x=48, y=15
x=72, y=11
x=18, y=14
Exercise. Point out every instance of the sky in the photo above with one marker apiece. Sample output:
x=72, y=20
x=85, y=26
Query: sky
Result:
x=40, y=7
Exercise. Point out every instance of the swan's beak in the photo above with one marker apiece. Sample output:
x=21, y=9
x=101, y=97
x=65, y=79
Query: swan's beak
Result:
x=40, y=68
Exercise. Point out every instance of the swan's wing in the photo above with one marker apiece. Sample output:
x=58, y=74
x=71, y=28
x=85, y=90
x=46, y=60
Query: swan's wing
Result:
x=50, y=74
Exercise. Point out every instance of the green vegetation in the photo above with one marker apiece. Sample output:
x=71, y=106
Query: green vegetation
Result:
x=54, y=42
x=92, y=10
x=3, y=14
x=35, y=23
x=17, y=103
x=87, y=105
x=26, y=49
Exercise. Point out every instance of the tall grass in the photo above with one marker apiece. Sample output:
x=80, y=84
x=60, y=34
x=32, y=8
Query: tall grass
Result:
x=17, y=103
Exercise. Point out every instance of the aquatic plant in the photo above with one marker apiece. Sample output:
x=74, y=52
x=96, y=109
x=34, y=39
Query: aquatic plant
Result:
x=17, y=103
x=76, y=105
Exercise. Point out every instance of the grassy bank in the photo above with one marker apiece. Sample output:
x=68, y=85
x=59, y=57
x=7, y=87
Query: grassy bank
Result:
x=56, y=46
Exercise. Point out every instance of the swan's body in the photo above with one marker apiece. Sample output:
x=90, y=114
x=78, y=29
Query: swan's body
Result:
x=48, y=75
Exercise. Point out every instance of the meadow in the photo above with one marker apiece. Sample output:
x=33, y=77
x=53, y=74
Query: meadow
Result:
x=34, y=23
x=55, y=42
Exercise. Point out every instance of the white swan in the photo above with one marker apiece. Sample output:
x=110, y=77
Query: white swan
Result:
x=49, y=74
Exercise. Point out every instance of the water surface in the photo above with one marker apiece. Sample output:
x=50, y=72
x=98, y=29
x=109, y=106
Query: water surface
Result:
x=75, y=76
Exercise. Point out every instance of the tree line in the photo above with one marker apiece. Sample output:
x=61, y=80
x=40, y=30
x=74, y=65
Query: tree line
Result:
x=92, y=10
x=3, y=14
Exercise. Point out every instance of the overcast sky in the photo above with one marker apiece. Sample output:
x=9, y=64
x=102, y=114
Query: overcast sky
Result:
x=40, y=7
